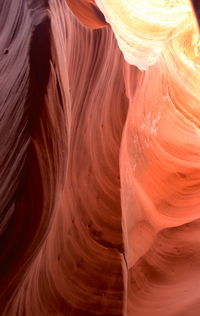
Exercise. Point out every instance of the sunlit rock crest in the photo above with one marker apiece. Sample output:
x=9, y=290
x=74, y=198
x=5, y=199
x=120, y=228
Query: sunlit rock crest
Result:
x=159, y=154
x=99, y=163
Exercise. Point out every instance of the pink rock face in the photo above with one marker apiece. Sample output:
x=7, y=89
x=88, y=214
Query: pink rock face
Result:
x=99, y=163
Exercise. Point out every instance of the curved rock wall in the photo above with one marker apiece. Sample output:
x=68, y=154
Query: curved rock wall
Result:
x=99, y=162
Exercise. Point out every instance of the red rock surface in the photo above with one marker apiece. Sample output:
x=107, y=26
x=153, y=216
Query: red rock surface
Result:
x=99, y=162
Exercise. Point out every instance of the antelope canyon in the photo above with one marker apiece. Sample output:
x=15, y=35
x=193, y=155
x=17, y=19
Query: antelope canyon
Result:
x=99, y=158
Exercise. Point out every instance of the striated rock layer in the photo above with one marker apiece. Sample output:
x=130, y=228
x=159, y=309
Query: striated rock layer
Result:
x=63, y=107
x=99, y=163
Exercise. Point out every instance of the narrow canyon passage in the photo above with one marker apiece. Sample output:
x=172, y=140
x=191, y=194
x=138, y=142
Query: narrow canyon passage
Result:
x=99, y=162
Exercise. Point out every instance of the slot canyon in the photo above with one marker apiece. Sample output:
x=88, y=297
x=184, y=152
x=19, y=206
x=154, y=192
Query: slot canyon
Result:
x=99, y=158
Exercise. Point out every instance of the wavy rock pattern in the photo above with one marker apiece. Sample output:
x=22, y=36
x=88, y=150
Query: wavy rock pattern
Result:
x=60, y=199
x=159, y=158
x=99, y=163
